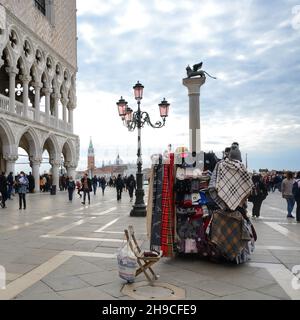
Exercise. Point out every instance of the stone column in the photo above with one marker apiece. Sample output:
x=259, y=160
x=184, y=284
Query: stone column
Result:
x=10, y=164
x=56, y=98
x=71, y=170
x=71, y=108
x=25, y=79
x=37, y=99
x=64, y=103
x=35, y=165
x=12, y=88
x=55, y=172
x=47, y=92
x=193, y=85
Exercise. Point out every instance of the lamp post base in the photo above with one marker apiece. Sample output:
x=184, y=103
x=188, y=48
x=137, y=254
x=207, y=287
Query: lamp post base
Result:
x=139, y=210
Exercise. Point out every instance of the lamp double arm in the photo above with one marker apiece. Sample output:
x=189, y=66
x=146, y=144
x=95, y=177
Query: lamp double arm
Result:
x=139, y=119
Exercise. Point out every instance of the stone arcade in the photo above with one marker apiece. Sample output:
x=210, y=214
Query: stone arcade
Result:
x=38, y=65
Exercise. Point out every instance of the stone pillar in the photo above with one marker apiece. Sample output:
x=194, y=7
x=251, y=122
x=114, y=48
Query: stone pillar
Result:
x=193, y=85
x=12, y=88
x=71, y=170
x=55, y=172
x=37, y=99
x=71, y=108
x=35, y=165
x=56, y=98
x=25, y=79
x=47, y=92
x=10, y=164
x=64, y=103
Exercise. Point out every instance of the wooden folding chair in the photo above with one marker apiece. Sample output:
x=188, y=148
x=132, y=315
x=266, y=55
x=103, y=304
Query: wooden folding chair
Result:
x=145, y=263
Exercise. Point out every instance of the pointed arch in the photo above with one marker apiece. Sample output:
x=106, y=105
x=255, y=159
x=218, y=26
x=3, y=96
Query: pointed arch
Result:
x=7, y=138
x=28, y=140
x=50, y=144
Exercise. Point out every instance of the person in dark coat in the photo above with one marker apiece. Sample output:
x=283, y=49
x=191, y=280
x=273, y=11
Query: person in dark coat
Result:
x=94, y=184
x=23, y=184
x=258, y=195
x=86, y=187
x=119, y=186
x=3, y=189
x=31, y=182
x=131, y=186
x=103, y=184
x=10, y=183
x=71, y=187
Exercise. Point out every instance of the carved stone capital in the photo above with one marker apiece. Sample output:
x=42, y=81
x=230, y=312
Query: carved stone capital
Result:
x=194, y=84
x=55, y=96
x=35, y=161
x=55, y=163
x=71, y=105
x=25, y=78
x=64, y=101
x=46, y=91
x=37, y=85
x=12, y=71
x=11, y=158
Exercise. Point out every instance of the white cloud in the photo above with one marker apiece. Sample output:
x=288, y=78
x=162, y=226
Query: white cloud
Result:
x=96, y=7
x=134, y=18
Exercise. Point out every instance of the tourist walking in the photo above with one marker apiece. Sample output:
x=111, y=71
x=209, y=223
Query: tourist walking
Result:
x=3, y=189
x=95, y=183
x=23, y=184
x=287, y=193
x=10, y=184
x=71, y=187
x=87, y=187
x=119, y=186
x=131, y=186
x=258, y=195
x=296, y=194
x=103, y=184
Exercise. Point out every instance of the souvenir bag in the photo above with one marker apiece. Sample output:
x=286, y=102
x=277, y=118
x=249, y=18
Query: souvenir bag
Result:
x=190, y=246
x=127, y=263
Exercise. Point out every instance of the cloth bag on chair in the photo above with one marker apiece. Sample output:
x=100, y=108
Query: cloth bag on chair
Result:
x=127, y=263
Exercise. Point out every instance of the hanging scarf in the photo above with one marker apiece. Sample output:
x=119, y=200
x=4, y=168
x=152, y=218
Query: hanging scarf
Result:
x=168, y=216
x=155, y=241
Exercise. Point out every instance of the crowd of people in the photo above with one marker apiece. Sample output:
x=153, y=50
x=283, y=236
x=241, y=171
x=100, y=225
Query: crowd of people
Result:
x=287, y=183
x=20, y=184
x=88, y=185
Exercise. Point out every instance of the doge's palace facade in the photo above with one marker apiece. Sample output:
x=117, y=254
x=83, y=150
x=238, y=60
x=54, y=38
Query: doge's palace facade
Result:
x=38, y=65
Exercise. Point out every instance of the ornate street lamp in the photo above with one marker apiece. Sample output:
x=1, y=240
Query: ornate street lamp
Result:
x=138, y=119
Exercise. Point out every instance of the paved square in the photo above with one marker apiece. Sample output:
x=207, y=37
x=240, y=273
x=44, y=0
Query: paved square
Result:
x=61, y=250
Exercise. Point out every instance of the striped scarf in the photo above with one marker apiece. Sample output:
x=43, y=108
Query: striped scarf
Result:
x=168, y=215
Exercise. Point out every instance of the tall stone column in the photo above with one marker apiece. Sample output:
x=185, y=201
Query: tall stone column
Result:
x=10, y=164
x=64, y=103
x=35, y=165
x=25, y=79
x=193, y=85
x=71, y=168
x=71, y=108
x=12, y=88
x=47, y=92
x=56, y=98
x=37, y=99
x=55, y=172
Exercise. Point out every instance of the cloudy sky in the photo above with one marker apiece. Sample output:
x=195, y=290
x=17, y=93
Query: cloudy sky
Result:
x=252, y=47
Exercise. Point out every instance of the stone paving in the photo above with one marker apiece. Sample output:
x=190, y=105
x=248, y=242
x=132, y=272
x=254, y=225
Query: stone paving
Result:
x=61, y=250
